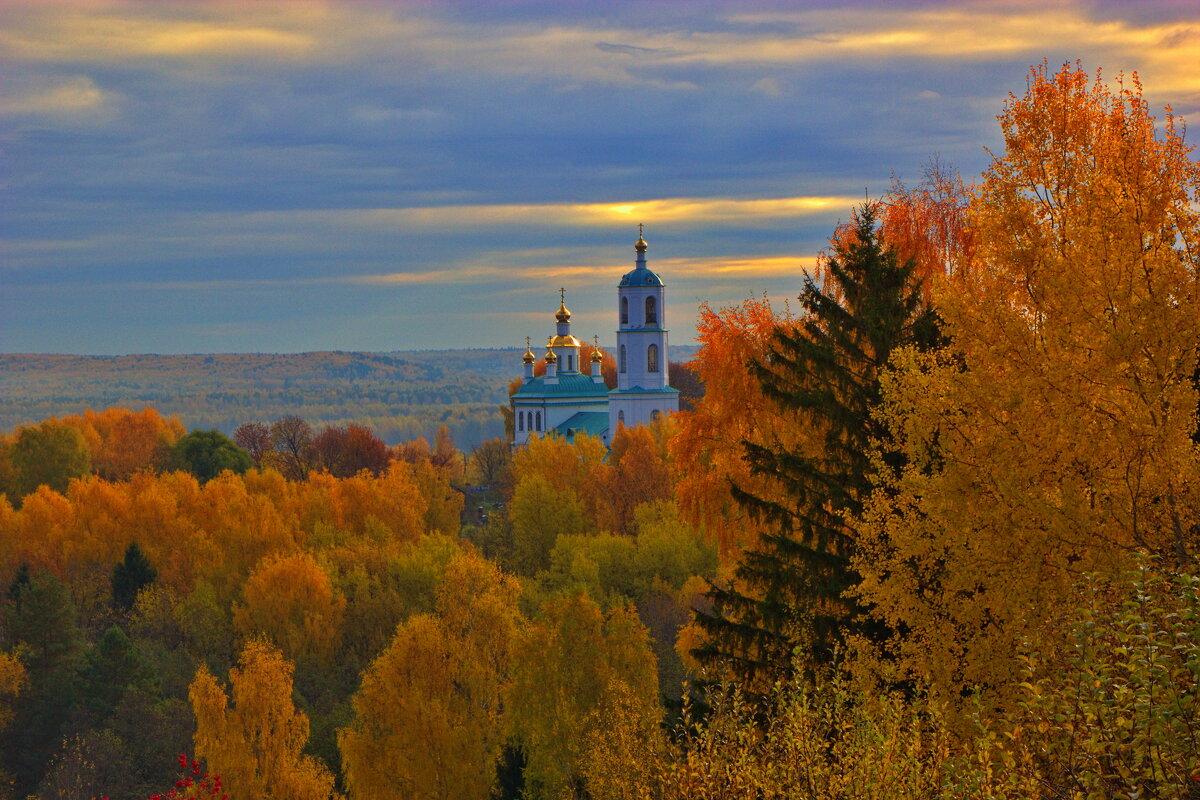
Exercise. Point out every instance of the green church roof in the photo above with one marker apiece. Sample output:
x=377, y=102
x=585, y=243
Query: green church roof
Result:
x=593, y=423
x=567, y=386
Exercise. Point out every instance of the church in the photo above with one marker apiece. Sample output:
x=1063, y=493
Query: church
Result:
x=571, y=398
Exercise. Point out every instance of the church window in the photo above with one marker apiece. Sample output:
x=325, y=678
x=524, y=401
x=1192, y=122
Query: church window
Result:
x=622, y=359
x=570, y=363
x=538, y=419
x=651, y=312
x=624, y=310
x=621, y=417
x=655, y=414
x=520, y=420
x=652, y=358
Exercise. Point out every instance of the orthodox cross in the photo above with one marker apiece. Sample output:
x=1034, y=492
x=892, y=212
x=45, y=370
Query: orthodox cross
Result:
x=526, y=342
x=562, y=296
x=596, y=342
x=639, y=230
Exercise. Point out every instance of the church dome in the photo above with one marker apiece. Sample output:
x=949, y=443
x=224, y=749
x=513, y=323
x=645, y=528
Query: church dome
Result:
x=564, y=341
x=563, y=314
x=640, y=277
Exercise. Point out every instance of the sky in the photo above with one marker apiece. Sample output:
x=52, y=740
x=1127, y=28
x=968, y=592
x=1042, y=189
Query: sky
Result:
x=193, y=177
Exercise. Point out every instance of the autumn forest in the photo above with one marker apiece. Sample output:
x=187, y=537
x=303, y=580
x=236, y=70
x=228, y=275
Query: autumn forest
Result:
x=929, y=529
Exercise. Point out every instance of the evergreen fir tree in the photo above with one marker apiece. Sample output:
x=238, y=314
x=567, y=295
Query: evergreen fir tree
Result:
x=131, y=576
x=789, y=591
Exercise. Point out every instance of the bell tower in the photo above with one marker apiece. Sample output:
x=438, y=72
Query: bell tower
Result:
x=643, y=386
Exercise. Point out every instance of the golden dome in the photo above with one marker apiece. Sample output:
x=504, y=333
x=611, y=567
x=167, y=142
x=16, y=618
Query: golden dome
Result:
x=529, y=357
x=563, y=314
x=564, y=341
x=640, y=245
x=597, y=357
x=550, y=357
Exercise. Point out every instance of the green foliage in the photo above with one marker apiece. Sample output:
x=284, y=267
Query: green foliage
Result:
x=612, y=567
x=539, y=515
x=40, y=622
x=49, y=454
x=206, y=454
x=130, y=576
x=113, y=665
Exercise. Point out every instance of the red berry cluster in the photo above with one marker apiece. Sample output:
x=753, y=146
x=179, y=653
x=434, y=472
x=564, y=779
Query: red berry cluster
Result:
x=193, y=785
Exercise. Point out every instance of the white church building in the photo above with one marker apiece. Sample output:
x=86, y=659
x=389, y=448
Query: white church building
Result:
x=569, y=400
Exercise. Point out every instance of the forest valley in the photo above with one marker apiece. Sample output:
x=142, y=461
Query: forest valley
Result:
x=931, y=532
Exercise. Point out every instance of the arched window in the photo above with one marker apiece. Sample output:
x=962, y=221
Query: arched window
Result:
x=520, y=420
x=651, y=312
x=570, y=363
x=621, y=417
x=622, y=358
x=624, y=310
x=538, y=419
x=652, y=358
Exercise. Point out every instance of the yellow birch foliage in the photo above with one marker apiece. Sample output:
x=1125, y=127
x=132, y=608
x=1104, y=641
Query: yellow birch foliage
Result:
x=290, y=600
x=576, y=468
x=427, y=718
x=1053, y=437
x=256, y=745
x=12, y=681
x=216, y=533
x=569, y=667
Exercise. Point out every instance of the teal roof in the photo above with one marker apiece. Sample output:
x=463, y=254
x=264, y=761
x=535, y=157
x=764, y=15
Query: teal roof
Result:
x=640, y=390
x=567, y=386
x=593, y=423
x=641, y=276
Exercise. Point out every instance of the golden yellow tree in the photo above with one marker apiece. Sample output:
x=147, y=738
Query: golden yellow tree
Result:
x=12, y=681
x=1054, y=436
x=427, y=718
x=575, y=669
x=290, y=600
x=256, y=746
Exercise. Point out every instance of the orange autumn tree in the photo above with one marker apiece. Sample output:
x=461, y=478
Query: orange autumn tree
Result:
x=123, y=441
x=709, y=438
x=929, y=223
x=1054, y=436
x=290, y=600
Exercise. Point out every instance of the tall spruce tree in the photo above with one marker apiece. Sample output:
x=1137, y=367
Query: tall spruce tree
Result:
x=789, y=591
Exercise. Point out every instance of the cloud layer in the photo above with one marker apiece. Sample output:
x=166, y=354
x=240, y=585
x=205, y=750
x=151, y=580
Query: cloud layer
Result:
x=230, y=176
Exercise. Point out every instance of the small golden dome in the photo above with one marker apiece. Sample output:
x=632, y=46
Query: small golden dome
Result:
x=564, y=341
x=597, y=357
x=550, y=357
x=563, y=314
x=529, y=357
x=640, y=245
